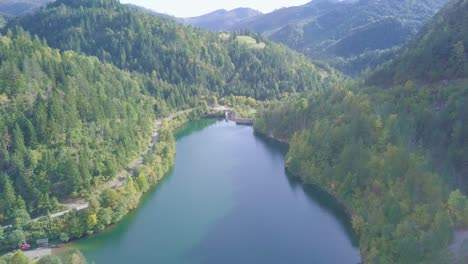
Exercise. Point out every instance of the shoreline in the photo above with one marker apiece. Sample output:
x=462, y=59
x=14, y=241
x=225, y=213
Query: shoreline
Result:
x=116, y=237
x=37, y=253
x=459, y=236
x=348, y=211
x=73, y=203
x=117, y=183
x=284, y=141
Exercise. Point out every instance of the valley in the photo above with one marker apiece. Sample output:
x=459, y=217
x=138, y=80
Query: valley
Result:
x=106, y=151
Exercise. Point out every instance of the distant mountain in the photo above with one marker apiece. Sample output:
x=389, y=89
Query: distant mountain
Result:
x=20, y=7
x=439, y=51
x=142, y=66
x=219, y=20
x=152, y=12
x=381, y=148
x=351, y=35
x=192, y=59
x=281, y=18
x=3, y=21
x=222, y=19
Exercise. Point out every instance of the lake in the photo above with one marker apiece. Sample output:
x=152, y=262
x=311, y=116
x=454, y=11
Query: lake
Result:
x=228, y=200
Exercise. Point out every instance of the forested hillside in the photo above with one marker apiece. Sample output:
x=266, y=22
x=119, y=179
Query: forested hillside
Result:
x=20, y=7
x=439, y=52
x=428, y=84
x=82, y=81
x=350, y=35
x=3, y=20
x=391, y=154
x=240, y=64
x=222, y=19
x=151, y=12
x=69, y=125
x=70, y=122
x=66, y=122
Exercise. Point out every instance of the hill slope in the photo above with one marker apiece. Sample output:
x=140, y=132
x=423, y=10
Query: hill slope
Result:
x=393, y=152
x=222, y=19
x=20, y=7
x=350, y=35
x=176, y=54
x=439, y=51
x=152, y=12
x=70, y=121
x=67, y=120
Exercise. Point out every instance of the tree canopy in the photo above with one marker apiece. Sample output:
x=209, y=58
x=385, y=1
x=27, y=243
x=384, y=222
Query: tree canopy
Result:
x=194, y=59
x=350, y=35
x=390, y=153
x=439, y=52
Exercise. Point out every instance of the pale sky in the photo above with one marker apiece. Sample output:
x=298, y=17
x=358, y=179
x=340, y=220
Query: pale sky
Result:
x=186, y=8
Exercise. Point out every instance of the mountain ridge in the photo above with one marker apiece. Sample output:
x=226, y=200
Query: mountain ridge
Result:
x=81, y=84
x=392, y=150
x=137, y=41
x=222, y=19
x=437, y=53
x=348, y=35
x=20, y=7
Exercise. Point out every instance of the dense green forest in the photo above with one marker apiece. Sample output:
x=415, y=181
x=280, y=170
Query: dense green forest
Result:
x=392, y=148
x=68, y=124
x=2, y=21
x=221, y=19
x=71, y=123
x=187, y=57
x=439, y=52
x=375, y=163
x=20, y=7
x=391, y=154
x=350, y=35
x=66, y=121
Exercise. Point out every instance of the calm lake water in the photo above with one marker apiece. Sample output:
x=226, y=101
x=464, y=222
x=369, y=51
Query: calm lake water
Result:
x=228, y=200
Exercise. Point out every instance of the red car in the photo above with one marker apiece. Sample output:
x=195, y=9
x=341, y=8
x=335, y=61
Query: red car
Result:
x=25, y=247
x=57, y=246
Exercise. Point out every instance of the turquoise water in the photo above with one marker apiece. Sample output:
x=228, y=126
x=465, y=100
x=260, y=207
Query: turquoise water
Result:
x=228, y=200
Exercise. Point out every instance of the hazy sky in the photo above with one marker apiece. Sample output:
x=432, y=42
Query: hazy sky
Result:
x=185, y=8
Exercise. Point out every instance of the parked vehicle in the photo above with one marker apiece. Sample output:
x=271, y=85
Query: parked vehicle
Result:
x=57, y=246
x=25, y=247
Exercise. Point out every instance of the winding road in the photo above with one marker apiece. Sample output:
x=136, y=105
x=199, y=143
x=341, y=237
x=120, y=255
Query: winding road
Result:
x=117, y=182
